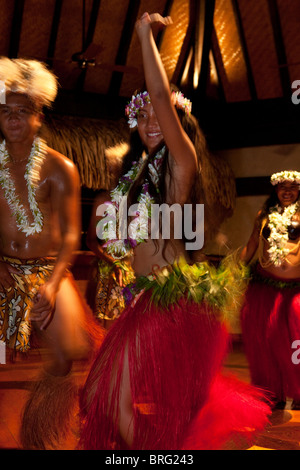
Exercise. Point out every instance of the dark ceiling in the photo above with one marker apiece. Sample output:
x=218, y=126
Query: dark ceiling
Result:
x=236, y=59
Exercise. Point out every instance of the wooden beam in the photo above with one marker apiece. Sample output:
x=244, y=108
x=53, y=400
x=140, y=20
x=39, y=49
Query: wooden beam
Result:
x=92, y=23
x=166, y=12
x=217, y=57
x=54, y=31
x=88, y=38
x=16, y=28
x=280, y=48
x=253, y=186
x=126, y=36
x=203, y=40
x=185, y=49
x=238, y=20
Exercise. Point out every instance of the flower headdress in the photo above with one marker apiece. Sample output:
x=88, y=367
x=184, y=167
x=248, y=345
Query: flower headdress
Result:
x=280, y=177
x=138, y=101
x=29, y=77
x=180, y=102
x=133, y=108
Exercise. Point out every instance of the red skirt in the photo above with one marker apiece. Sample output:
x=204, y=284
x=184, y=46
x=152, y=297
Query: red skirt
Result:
x=180, y=401
x=270, y=325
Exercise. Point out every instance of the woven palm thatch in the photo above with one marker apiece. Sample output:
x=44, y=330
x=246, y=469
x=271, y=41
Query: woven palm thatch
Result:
x=84, y=141
x=218, y=192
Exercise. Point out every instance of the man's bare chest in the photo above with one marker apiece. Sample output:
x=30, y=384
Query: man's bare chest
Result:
x=17, y=190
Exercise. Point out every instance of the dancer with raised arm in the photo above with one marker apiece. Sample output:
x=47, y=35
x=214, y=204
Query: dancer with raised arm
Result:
x=154, y=382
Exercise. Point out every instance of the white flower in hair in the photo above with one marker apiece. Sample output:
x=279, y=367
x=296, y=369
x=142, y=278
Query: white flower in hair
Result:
x=280, y=177
x=138, y=101
x=181, y=102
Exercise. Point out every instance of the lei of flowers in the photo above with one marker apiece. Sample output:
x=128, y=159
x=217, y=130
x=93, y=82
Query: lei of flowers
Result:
x=138, y=230
x=32, y=176
x=140, y=100
x=278, y=224
x=280, y=177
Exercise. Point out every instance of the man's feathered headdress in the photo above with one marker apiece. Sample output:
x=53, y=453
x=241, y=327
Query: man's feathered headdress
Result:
x=29, y=77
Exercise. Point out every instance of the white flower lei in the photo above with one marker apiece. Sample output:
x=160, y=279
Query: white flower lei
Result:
x=32, y=176
x=138, y=229
x=278, y=224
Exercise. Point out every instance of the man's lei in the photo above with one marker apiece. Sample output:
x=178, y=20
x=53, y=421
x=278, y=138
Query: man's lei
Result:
x=32, y=177
x=138, y=229
x=140, y=100
x=278, y=224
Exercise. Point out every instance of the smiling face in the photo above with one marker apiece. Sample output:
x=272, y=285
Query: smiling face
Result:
x=148, y=127
x=19, y=120
x=287, y=193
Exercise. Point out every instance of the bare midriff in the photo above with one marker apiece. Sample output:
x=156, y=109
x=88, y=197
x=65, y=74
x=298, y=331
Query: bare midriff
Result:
x=290, y=266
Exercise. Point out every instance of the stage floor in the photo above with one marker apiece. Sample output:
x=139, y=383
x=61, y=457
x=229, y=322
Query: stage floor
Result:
x=283, y=433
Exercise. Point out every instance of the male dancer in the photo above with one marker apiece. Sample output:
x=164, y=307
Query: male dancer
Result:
x=40, y=226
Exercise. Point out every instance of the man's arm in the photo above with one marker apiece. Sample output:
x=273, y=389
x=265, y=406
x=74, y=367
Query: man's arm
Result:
x=65, y=202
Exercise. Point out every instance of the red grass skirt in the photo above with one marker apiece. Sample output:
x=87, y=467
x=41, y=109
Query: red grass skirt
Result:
x=270, y=325
x=179, y=399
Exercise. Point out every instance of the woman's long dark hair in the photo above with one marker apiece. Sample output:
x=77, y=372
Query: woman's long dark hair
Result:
x=136, y=149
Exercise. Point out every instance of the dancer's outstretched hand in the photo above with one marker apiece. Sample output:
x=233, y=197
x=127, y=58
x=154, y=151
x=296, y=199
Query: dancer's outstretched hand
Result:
x=162, y=20
x=154, y=19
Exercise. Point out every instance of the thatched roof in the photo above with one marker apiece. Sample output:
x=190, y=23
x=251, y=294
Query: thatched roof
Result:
x=84, y=141
x=236, y=60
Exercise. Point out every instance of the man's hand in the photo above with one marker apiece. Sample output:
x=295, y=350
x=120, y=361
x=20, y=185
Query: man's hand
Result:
x=44, y=305
x=6, y=278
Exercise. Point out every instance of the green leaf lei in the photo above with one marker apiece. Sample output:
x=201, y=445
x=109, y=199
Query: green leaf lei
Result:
x=222, y=287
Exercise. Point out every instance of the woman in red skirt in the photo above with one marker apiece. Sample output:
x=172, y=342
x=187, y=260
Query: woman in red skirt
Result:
x=271, y=313
x=156, y=382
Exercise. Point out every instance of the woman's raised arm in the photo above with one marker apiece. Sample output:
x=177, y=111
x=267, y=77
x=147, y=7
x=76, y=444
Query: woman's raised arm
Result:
x=180, y=146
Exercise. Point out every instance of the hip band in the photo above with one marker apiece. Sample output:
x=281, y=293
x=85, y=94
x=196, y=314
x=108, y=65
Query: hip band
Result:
x=267, y=278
